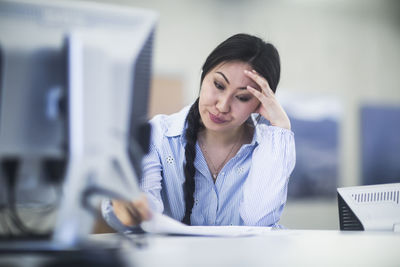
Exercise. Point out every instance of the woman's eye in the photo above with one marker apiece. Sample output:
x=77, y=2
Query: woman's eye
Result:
x=218, y=85
x=243, y=98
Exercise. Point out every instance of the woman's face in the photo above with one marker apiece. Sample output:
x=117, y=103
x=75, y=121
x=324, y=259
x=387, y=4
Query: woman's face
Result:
x=225, y=103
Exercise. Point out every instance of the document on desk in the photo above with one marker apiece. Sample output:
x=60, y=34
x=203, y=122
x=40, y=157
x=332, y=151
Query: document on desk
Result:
x=162, y=224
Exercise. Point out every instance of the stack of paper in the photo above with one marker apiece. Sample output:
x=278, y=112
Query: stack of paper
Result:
x=161, y=224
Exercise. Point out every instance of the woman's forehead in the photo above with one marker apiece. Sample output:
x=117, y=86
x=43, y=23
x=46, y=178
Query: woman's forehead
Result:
x=233, y=73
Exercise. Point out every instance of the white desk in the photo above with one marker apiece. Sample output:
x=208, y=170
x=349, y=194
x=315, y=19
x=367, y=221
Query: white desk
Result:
x=279, y=248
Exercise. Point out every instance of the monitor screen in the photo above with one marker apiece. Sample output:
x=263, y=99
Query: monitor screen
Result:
x=74, y=91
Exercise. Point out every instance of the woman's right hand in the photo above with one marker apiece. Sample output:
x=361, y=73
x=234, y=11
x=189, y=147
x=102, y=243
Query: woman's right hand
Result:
x=269, y=107
x=132, y=213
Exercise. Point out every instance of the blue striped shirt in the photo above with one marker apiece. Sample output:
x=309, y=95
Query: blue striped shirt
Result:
x=250, y=189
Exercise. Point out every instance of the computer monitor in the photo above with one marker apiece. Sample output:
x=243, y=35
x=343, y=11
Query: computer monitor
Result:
x=370, y=207
x=75, y=81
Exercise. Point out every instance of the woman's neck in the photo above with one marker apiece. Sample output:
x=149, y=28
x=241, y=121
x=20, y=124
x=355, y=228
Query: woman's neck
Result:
x=213, y=138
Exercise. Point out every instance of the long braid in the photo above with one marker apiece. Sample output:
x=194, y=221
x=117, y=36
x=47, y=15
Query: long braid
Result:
x=193, y=126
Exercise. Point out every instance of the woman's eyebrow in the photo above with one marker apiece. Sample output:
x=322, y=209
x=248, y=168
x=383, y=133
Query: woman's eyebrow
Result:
x=226, y=79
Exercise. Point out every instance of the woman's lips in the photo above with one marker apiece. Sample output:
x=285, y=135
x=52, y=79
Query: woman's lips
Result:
x=215, y=119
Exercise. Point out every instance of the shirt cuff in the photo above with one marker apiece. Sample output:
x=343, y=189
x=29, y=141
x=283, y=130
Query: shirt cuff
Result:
x=109, y=216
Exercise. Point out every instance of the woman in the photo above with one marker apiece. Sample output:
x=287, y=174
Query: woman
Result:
x=214, y=163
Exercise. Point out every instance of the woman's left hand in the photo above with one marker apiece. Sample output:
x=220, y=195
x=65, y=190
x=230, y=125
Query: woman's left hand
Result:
x=269, y=106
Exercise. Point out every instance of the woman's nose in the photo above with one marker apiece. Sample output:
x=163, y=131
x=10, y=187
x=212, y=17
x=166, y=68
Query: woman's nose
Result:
x=223, y=104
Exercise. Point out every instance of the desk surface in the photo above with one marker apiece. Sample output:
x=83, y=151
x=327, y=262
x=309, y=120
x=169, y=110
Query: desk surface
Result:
x=277, y=248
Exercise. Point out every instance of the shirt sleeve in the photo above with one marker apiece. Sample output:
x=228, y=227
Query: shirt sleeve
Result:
x=150, y=183
x=265, y=189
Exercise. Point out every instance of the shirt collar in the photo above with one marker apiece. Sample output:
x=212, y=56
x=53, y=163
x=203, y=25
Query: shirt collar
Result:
x=176, y=123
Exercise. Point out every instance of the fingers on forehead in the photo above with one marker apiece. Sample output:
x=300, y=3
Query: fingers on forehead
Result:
x=261, y=81
x=255, y=92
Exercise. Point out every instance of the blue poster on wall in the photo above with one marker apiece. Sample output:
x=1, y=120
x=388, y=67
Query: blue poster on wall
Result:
x=317, y=167
x=315, y=123
x=380, y=144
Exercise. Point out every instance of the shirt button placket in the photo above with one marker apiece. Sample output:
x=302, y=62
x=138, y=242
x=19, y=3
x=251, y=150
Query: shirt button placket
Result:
x=213, y=208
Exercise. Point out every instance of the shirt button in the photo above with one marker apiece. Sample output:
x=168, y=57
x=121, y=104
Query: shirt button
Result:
x=223, y=173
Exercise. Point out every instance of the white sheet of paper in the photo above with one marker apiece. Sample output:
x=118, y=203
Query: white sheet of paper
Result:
x=162, y=224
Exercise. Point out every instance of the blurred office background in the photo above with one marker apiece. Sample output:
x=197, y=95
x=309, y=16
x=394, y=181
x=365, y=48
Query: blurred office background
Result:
x=340, y=84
